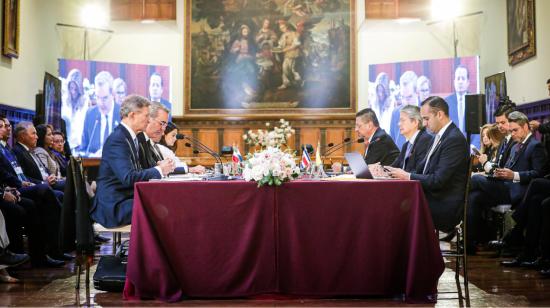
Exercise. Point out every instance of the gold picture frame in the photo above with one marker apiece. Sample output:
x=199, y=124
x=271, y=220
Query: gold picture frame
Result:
x=521, y=30
x=10, y=37
x=253, y=59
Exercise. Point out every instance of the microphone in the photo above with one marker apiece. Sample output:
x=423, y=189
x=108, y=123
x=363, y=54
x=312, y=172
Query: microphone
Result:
x=330, y=145
x=343, y=144
x=91, y=138
x=187, y=144
x=202, y=147
x=180, y=136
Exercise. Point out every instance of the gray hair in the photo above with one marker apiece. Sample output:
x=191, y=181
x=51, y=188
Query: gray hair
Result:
x=408, y=77
x=22, y=127
x=422, y=79
x=413, y=113
x=518, y=117
x=119, y=82
x=133, y=103
x=154, y=109
x=102, y=78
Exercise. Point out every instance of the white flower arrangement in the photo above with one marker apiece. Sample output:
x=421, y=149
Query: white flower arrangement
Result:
x=270, y=167
x=276, y=138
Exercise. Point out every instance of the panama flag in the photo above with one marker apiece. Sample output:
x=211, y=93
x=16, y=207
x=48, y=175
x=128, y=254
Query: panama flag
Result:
x=306, y=160
x=237, y=157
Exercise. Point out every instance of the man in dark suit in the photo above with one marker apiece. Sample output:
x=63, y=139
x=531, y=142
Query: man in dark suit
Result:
x=444, y=171
x=36, y=172
x=509, y=184
x=379, y=147
x=101, y=119
x=120, y=168
x=505, y=147
x=149, y=153
x=41, y=212
x=418, y=141
x=155, y=92
x=457, y=100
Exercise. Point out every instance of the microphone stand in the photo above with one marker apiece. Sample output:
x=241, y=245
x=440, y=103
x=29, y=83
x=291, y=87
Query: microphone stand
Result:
x=202, y=147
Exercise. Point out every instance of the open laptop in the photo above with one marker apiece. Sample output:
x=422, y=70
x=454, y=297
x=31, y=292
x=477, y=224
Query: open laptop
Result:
x=360, y=167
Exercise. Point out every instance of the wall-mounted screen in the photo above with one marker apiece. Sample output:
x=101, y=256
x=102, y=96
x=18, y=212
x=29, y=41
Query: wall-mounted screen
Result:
x=93, y=91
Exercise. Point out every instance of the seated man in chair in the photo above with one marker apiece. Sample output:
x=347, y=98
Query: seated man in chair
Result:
x=120, y=167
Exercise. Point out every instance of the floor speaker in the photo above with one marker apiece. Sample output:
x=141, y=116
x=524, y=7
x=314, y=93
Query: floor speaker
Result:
x=475, y=113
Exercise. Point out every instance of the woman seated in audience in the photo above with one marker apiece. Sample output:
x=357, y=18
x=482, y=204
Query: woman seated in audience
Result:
x=58, y=151
x=42, y=150
x=491, y=137
x=168, y=147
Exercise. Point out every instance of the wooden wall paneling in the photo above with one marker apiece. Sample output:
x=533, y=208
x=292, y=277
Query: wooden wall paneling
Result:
x=357, y=147
x=310, y=135
x=234, y=136
x=335, y=136
x=182, y=150
x=143, y=9
x=208, y=137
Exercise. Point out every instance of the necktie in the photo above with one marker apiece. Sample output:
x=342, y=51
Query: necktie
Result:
x=106, y=131
x=15, y=165
x=515, y=155
x=136, y=146
x=39, y=164
x=501, y=151
x=434, y=145
x=157, y=149
x=407, y=154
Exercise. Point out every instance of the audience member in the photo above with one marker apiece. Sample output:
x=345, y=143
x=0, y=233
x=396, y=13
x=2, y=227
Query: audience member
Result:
x=508, y=186
x=444, y=171
x=8, y=258
x=379, y=147
x=58, y=151
x=120, y=168
x=42, y=150
x=503, y=152
x=418, y=140
x=491, y=138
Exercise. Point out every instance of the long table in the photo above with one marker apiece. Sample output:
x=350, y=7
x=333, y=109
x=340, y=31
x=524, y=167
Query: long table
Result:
x=306, y=238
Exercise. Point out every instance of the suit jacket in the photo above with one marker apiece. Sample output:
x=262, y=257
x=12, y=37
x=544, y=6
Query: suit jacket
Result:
x=504, y=150
x=444, y=181
x=147, y=157
x=418, y=153
x=381, y=149
x=453, y=108
x=29, y=166
x=119, y=170
x=529, y=161
x=91, y=133
x=7, y=174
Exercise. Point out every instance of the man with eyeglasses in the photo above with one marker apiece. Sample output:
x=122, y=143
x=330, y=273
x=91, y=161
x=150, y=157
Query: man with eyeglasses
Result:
x=119, y=90
x=149, y=153
x=101, y=119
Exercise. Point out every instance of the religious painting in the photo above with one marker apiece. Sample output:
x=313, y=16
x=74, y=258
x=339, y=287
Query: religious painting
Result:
x=10, y=41
x=495, y=91
x=521, y=30
x=269, y=58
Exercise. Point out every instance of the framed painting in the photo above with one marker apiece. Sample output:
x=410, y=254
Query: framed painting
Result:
x=521, y=30
x=274, y=58
x=495, y=91
x=10, y=41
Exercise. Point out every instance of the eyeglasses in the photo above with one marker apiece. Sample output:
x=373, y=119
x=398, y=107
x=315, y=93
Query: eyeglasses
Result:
x=162, y=123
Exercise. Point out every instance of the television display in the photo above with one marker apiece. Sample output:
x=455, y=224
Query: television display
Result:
x=93, y=91
x=394, y=85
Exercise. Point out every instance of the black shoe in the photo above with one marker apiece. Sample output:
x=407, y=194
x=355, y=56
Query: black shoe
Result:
x=538, y=263
x=13, y=259
x=101, y=239
x=545, y=273
x=48, y=261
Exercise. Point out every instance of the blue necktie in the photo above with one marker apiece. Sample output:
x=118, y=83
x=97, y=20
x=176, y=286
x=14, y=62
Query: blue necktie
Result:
x=9, y=156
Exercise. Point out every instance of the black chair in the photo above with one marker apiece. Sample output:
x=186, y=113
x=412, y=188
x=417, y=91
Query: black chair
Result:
x=76, y=225
x=459, y=251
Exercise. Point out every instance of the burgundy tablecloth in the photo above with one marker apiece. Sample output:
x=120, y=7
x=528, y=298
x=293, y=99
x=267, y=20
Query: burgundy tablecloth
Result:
x=232, y=239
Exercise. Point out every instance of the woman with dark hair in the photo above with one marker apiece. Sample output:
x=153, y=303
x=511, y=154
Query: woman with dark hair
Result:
x=167, y=147
x=58, y=151
x=42, y=150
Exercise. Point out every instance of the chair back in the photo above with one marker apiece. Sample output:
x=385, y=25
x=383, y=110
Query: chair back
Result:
x=76, y=226
x=466, y=195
